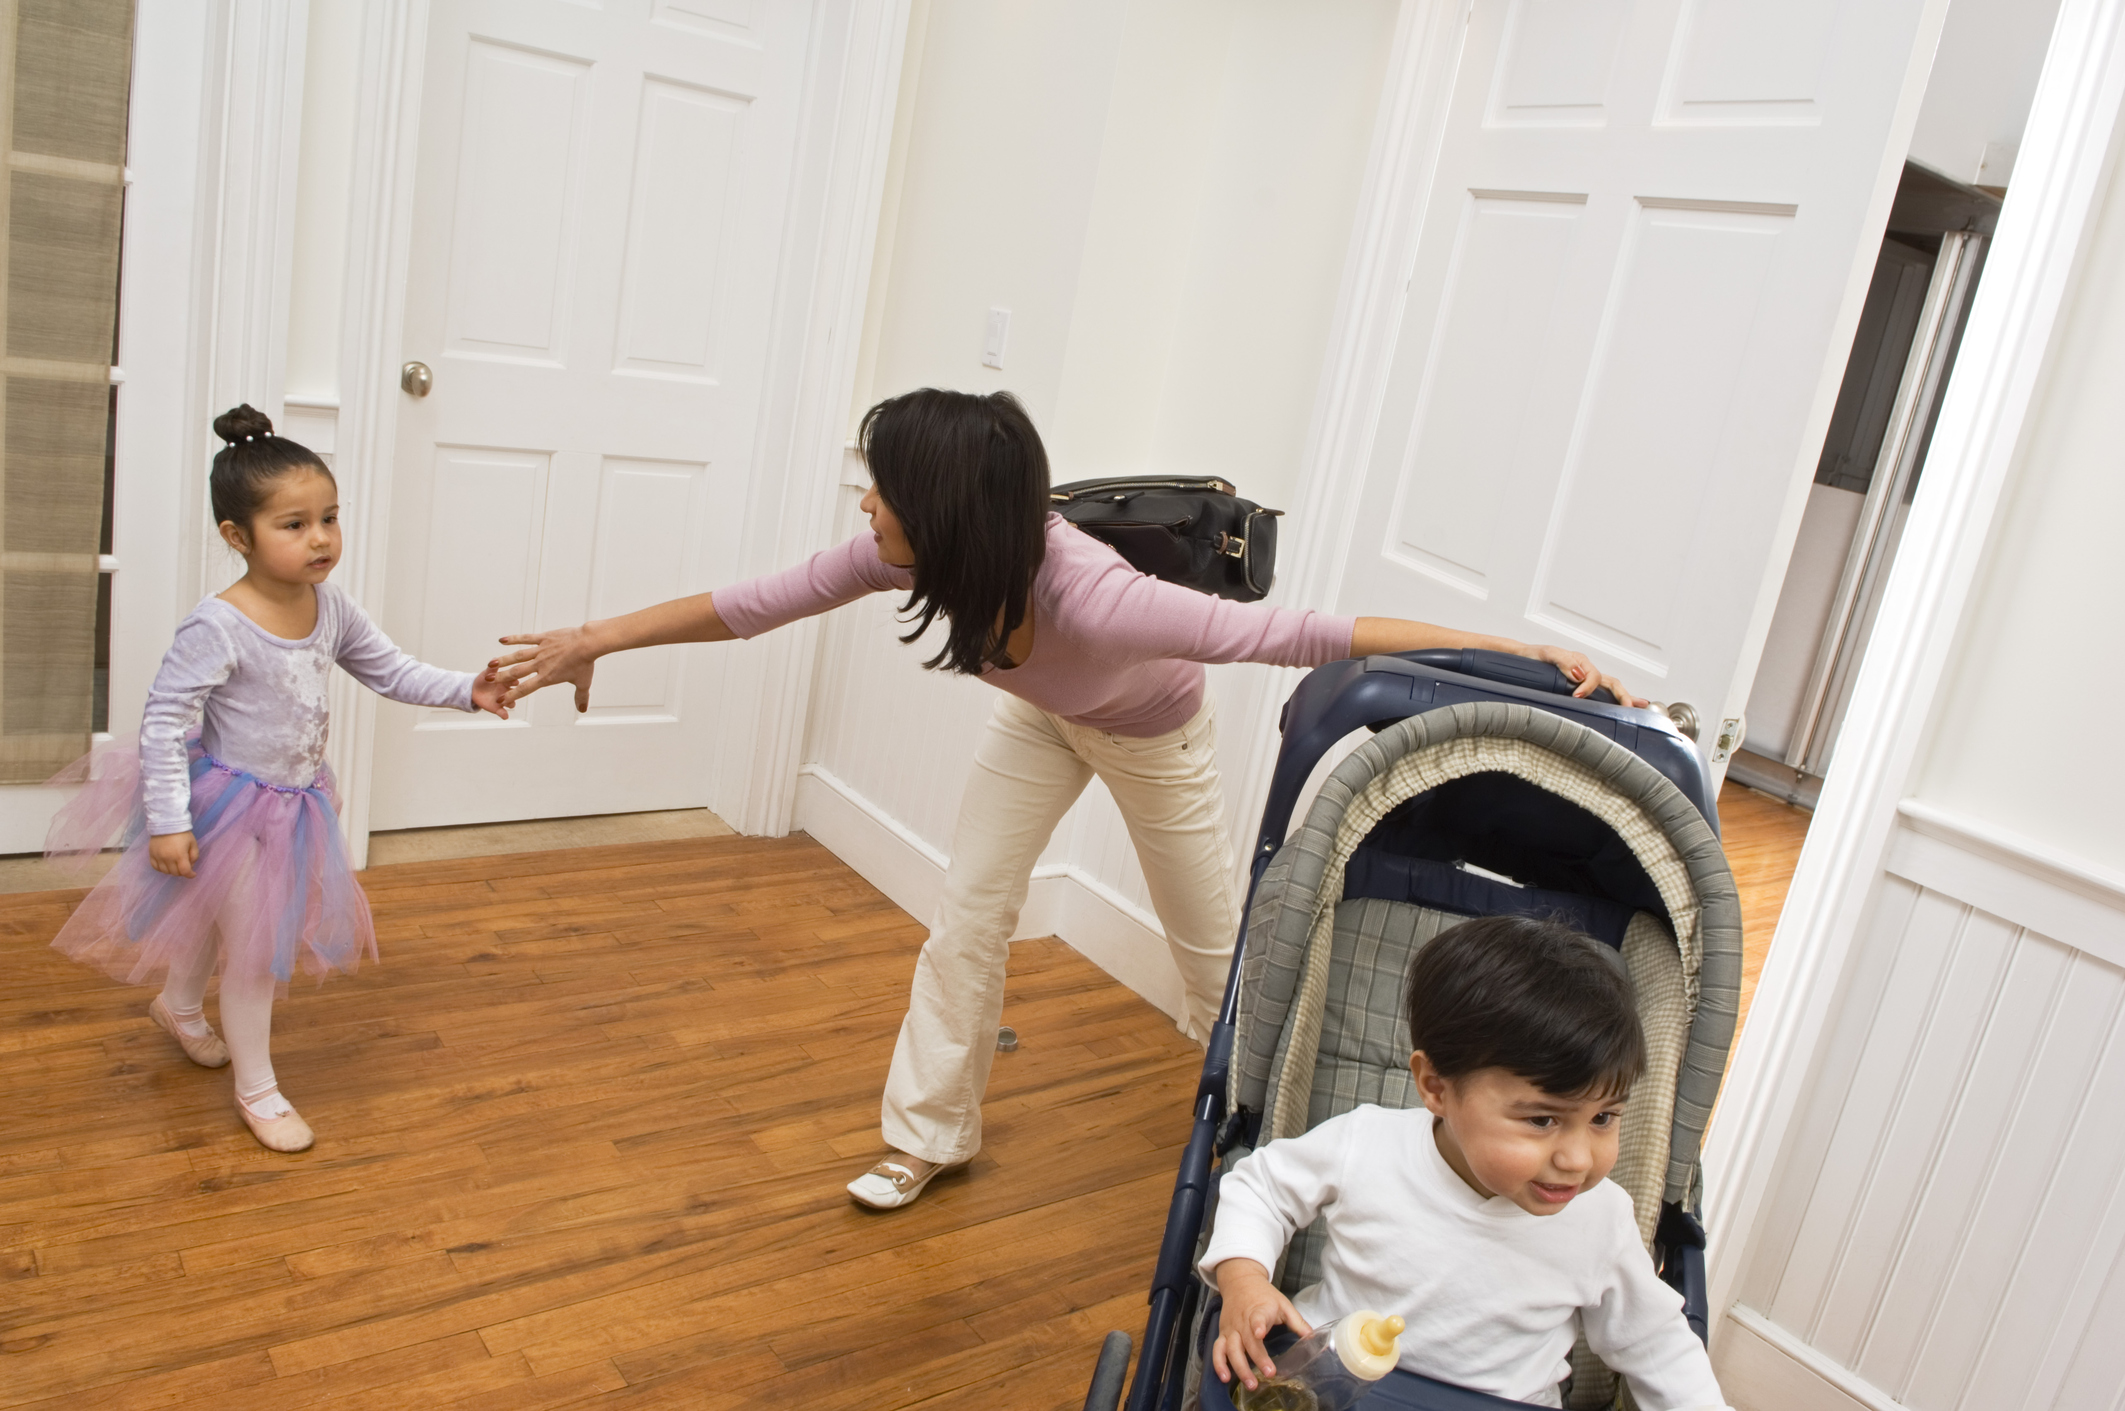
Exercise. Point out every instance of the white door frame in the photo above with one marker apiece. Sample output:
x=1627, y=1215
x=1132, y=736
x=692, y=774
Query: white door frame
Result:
x=2062, y=168
x=238, y=325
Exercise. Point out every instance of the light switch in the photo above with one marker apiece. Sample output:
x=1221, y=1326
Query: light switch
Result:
x=999, y=333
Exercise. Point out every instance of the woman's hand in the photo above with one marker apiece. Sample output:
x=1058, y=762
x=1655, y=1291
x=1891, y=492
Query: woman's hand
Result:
x=488, y=694
x=1380, y=635
x=571, y=653
x=1582, y=670
x=1253, y=1306
x=173, y=853
x=546, y=659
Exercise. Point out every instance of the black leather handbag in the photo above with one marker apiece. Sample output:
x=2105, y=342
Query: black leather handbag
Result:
x=1192, y=530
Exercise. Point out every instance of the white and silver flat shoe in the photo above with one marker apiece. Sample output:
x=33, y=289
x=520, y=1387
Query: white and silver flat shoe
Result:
x=890, y=1184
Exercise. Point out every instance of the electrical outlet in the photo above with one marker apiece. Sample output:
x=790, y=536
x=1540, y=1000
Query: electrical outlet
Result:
x=998, y=334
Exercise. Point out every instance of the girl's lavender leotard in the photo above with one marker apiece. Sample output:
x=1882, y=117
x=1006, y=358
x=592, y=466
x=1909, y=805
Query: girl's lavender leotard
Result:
x=251, y=786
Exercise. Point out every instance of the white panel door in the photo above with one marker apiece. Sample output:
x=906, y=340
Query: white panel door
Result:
x=597, y=221
x=1644, y=225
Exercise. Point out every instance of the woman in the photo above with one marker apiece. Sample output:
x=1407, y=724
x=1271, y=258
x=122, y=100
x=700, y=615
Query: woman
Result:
x=1102, y=670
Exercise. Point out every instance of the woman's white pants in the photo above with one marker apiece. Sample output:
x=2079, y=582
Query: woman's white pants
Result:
x=1028, y=769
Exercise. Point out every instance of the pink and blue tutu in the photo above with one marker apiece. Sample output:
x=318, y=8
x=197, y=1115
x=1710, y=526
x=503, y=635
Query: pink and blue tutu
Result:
x=271, y=887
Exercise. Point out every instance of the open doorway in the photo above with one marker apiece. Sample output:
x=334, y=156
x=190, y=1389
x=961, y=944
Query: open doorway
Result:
x=1960, y=163
x=1924, y=277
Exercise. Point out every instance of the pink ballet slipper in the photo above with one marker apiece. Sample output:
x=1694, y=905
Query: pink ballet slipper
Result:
x=285, y=1132
x=207, y=1050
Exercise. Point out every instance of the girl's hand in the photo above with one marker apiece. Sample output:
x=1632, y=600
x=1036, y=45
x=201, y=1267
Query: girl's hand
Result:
x=547, y=659
x=1580, y=669
x=173, y=853
x=489, y=694
x=1253, y=1306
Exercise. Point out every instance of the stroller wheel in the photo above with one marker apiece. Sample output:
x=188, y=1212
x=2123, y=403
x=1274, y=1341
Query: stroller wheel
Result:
x=1109, y=1374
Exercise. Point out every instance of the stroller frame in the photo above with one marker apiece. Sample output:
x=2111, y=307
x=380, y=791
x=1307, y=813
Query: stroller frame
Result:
x=1331, y=703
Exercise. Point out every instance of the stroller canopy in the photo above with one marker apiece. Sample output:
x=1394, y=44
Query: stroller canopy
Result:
x=1421, y=827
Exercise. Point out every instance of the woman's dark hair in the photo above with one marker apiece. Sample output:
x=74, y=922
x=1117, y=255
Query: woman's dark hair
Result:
x=1534, y=997
x=245, y=469
x=967, y=478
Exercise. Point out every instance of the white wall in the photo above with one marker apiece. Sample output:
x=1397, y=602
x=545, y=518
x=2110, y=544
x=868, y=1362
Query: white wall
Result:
x=1946, y=1227
x=2021, y=734
x=1984, y=75
x=1161, y=192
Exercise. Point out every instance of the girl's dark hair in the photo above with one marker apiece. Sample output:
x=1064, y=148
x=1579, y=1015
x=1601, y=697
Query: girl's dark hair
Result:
x=1531, y=996
x=245, y=469
x=967, y=478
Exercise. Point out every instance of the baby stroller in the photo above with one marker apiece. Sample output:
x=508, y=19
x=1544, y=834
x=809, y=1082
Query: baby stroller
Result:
x=1482, y=768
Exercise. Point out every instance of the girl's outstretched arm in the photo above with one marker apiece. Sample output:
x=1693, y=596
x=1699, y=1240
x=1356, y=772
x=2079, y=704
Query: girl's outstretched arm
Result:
x=571, y=654
x=1377, y=636
x=366, y=654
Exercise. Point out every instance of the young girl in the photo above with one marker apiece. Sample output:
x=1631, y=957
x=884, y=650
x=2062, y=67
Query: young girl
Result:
x=232, y=846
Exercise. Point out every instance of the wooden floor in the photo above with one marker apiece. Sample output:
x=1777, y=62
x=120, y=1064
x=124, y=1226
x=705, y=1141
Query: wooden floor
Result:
x=1762, y=837
x=581, y=1143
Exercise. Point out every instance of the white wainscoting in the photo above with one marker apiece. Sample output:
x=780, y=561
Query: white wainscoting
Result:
x=887, y=749
x=1948, y=1227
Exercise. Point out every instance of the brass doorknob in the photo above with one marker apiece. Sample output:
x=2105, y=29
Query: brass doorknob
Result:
x=415, y=379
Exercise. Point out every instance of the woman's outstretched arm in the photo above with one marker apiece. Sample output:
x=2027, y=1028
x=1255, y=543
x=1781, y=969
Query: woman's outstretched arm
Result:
x=1375, y=636
x=826, y=580
x=570, y=654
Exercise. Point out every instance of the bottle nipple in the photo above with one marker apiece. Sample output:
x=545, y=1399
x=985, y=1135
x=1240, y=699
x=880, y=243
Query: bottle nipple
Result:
x=1375, y=1348
x=1378, y=1337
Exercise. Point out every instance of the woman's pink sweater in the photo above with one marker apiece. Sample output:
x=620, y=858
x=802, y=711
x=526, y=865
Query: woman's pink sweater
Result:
x=1113, y=649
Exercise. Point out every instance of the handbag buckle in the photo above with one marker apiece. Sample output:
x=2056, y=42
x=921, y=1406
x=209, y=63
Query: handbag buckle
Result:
x=1230, y=545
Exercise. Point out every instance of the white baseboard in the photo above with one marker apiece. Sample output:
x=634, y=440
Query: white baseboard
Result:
x=1096, y=922
x=1762, y=1367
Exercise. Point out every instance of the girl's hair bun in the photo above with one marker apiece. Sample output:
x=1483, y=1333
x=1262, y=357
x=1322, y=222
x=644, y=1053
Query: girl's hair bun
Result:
x=242, y=423
x=245, y=469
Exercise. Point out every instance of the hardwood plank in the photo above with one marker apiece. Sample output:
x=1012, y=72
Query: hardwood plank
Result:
x=1762, y=838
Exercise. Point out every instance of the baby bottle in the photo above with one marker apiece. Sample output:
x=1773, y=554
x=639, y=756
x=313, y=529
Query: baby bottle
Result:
x=1330, y=1368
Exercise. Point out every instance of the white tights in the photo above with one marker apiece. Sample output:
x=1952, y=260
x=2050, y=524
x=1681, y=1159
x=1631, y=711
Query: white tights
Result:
x=246, y=1020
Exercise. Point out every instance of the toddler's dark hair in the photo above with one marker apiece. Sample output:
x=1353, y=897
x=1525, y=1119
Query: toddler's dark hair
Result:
x=1534, y=997
x=245, y=469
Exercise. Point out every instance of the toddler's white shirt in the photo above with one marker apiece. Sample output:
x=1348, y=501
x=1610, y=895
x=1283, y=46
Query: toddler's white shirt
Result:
x=1492, y=1295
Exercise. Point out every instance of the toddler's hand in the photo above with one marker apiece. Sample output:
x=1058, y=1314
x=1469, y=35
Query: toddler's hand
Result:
x=1253, y=1305
x=173, y=853
x=490, y=694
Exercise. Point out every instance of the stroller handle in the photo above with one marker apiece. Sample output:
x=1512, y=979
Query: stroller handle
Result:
x=1374, y=692
x=1511, y=670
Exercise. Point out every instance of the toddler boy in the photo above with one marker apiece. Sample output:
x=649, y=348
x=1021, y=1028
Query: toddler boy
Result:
x=1484, y=1218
